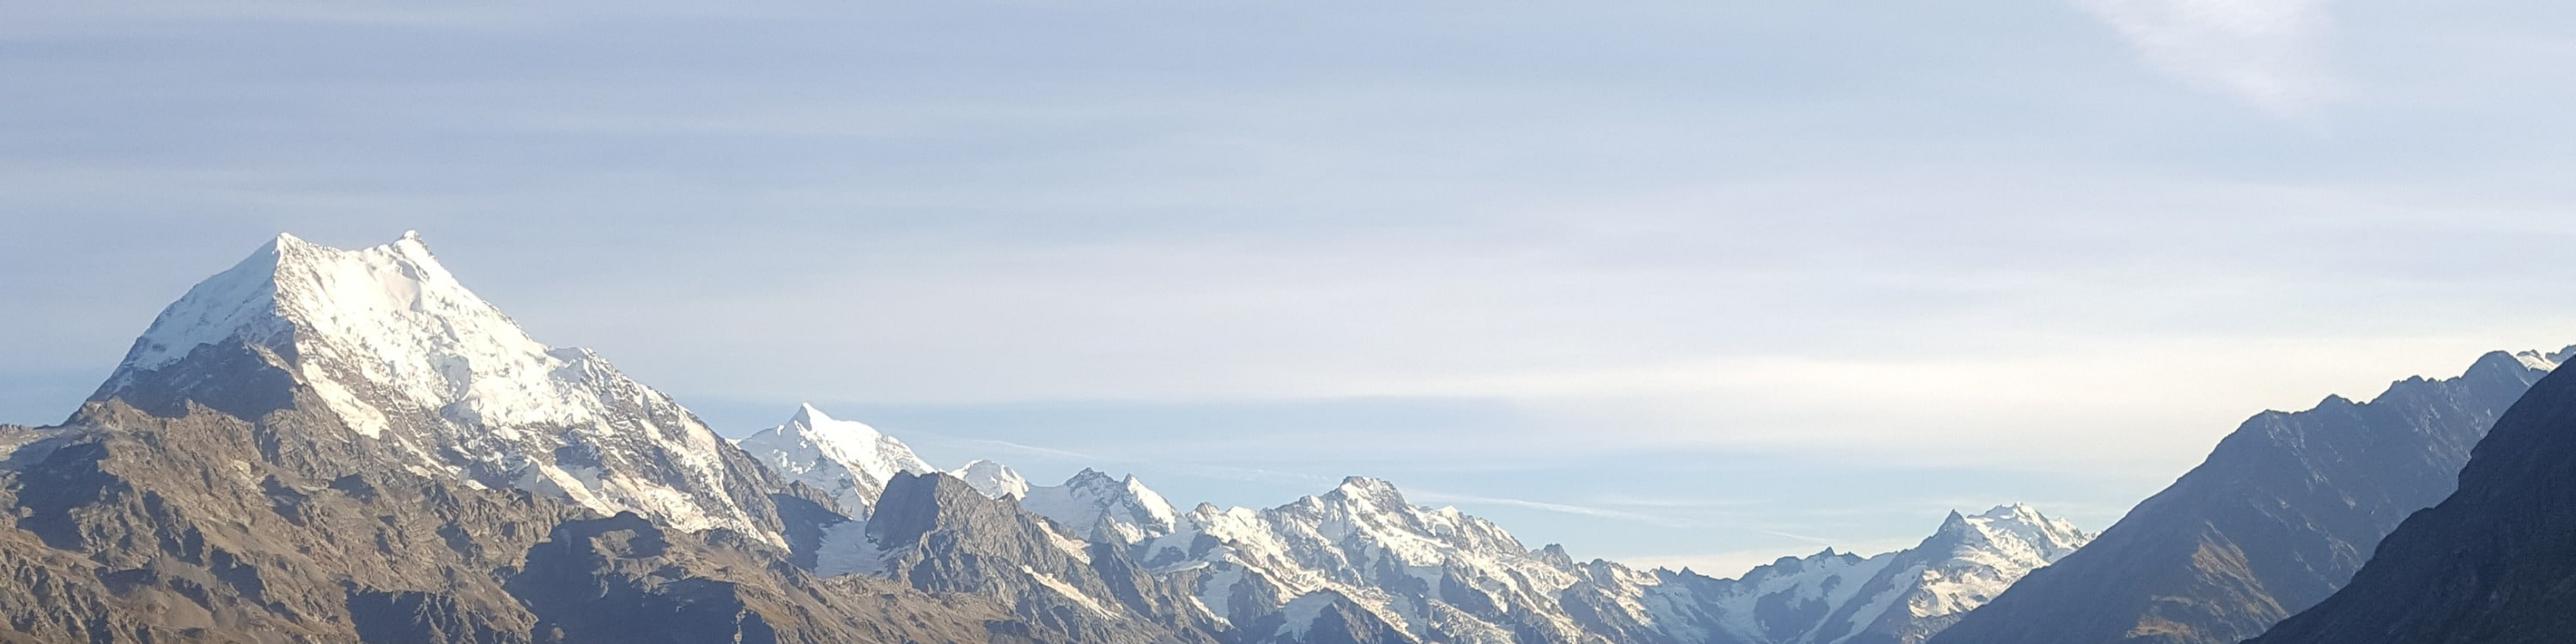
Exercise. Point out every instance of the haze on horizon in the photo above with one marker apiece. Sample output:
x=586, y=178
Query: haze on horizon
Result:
x=1669, y=284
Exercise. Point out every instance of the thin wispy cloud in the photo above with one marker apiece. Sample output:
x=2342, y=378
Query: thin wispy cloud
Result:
x=2270, y=53
x=1428, y=496
x=1105, y=459
x=1252, y=474
x=1821, y=541
x=1034, y=450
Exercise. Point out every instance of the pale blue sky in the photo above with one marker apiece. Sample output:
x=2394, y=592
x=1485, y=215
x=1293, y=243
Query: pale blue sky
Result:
x=1667, y=282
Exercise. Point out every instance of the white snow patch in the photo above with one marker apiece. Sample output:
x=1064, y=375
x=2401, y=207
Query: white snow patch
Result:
x=2541, y=361
x=1067, y=590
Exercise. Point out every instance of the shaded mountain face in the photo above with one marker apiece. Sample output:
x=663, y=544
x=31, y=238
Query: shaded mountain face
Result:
x=2284, y=512
x=2495, y=563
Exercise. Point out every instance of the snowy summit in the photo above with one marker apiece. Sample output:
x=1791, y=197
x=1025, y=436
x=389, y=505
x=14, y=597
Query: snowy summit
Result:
x=846, y=459
x=411, y=362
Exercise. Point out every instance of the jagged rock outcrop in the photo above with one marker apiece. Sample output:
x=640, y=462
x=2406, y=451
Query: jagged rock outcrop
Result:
x=2495, y=563
x=2282, y=514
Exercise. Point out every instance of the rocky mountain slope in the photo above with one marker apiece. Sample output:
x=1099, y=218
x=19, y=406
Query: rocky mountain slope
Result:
x=2495, y=563
x=2282, y=514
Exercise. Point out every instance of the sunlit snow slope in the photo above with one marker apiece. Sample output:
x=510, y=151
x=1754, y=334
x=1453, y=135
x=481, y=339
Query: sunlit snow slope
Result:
x=405, y=356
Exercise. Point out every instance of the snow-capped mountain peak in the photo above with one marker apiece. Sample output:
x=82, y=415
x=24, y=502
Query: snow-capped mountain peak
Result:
x=390, y=319
x=806, y=413
x=1973, y=558
x=854, y=442
x=2017, y=527
x=2544, y=361
x=1103, y=508
x=1369, y=491
x=847, y=459
x=993, y=479
x=387, y=340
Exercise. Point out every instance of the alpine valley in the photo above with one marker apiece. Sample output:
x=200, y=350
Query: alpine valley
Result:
x=326, y=445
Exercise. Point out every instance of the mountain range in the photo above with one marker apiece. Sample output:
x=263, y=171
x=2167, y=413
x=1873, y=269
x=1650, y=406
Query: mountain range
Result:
x=326, y=445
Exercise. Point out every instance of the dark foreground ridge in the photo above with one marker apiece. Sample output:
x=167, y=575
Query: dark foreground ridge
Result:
x=2493, y=564
x=2282, y=513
